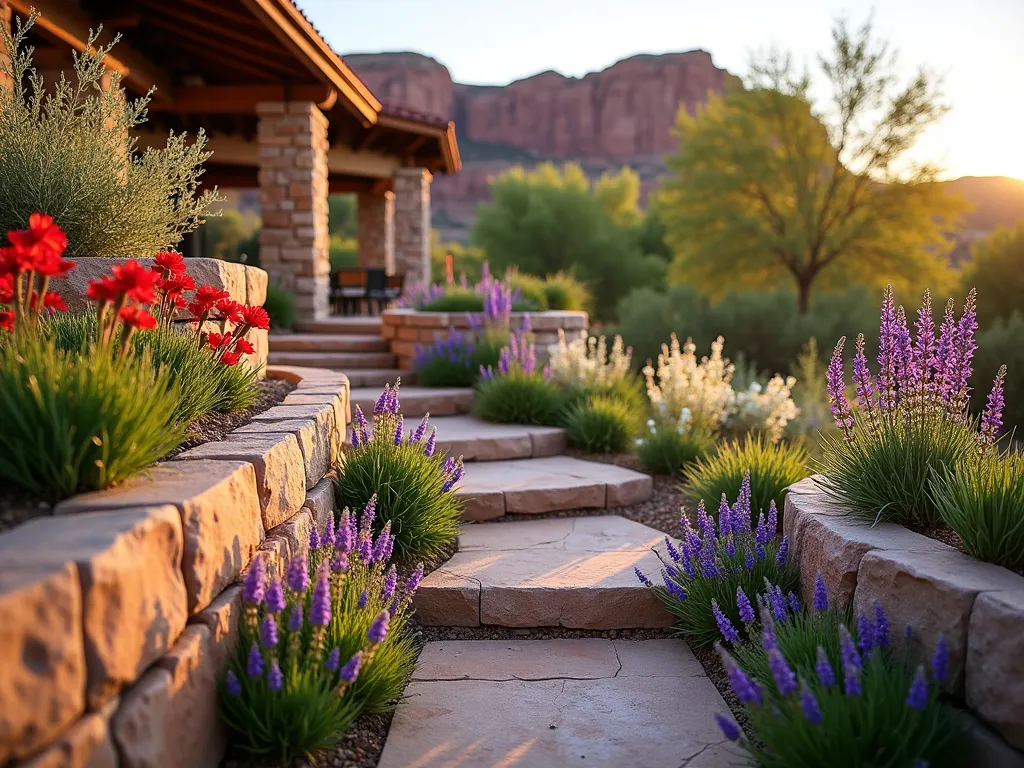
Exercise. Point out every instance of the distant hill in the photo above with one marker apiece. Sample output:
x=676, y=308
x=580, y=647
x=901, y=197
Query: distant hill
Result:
x=996, y=201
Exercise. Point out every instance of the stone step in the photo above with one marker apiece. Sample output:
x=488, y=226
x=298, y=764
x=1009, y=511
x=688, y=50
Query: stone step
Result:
x=340, y=324
x=568, y=572
x=416, y=401
x=327, y=342
x=558, y=483
x=376, y=378
x=340, y=361
x=554, y=703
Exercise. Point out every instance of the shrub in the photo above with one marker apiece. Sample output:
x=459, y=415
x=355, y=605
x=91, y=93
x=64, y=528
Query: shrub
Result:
x=530, y=290
x=75, y=423
x=446, y=363
x=997, y=345
x=72, y=152
x=601, y=424
x=994, y=271
x=771, y=467
x=983, y=501
x=830, y=714
x=668, y=450
x=412, y=484
x=280, y=305
x=682, y=384
x=763, y=408
x=587, y=362
x=703, y=573
x=564, y=292
x=456, y=299
x=909, y=421
x=519, y=398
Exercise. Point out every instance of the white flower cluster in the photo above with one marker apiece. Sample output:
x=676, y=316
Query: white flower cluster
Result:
x=586, y=361
x=701, y=393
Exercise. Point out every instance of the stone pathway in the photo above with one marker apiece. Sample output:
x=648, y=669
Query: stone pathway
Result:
x=556, y=703
x=416, y=401
x=561, y=572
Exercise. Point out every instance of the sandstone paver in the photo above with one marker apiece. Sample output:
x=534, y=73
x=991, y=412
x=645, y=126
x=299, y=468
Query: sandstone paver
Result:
x=559, y=572
x=995, y=662
x=416, y=401
x=553, y=703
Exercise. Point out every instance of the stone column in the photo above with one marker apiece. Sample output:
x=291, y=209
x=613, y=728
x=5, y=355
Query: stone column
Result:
x=376, y=230
x=412, y=223
x=294, y=248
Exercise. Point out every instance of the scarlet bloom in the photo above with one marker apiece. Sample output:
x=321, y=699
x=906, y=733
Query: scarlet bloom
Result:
x=206, y=296
x=136, y=282
x=171, y=261
x=50, y=264
x=6, y=289
x=105, y=289
x=229, y=358
x=14, y=260
x=229, y=310
x=256, y=317
x=216, y=340
x=51, y=300
x=137, y=317
x=178, y=301
x=7, y=319
x=42, y=236
x=243, y=346
x=175, y=285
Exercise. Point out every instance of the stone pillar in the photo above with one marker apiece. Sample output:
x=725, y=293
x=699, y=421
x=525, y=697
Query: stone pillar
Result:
x=412, y=223
x=376, y=230
x=294, y=247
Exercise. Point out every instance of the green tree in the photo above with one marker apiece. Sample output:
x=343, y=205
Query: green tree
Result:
x=767, y=186
x=619, y=195
x=466, y=259
x=341, y=216
x=551, y=219
x=223, y=235
x=996, y=269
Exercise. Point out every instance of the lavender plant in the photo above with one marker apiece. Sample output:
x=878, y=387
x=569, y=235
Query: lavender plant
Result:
x=447, y=362
x=859, y=704
x=284, y=694
x=412, y=483
x=704, y=571
x=909, y=421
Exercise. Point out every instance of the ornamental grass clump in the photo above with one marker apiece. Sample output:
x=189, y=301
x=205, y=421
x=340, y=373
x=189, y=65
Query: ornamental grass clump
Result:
x=412, y=483
x=704, y=571
x=860, y=704
x=669, y=448
x=770, y=467
x=291, y=687
x=983, y=501
x=909, y=421
x=601, y=424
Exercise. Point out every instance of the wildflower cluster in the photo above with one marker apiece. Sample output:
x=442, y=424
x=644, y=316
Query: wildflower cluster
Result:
x=33, y=258
x=518, y=356
x=767, y=408
x=413, y=484
x=587, y=362
x=448, y=362
x=703, y=573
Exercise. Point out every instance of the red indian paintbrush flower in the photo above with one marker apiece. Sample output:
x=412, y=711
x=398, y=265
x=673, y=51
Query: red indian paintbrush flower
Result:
x=216, y=340
x=41, y=237
x=226, y=309
x=51, y=300
x=256, y=317
x=136, y=282
x=243, y=346
x=229, y=358
x=137, y=317
x=206, y=296
x=6, y=289
x=175, y=285
x=169, y=261
x=7, y=319
x=103, y=290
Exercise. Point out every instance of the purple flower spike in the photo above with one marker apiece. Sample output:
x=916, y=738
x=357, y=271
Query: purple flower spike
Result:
x=675, y=590
x=390, y=582
x=940, y=660
x=743, y=604
x=809, y=704
x=917, y=696
x=729, y=729
x=851, y=680
x=881, y=629
x=364, y=599
x=350, y=671
x=863, y=383
x=724, y=625
x=820, y=594
x=761, y=534
x=268, y=632
x=431, y=445
x=924, y=344
x=340, y=563
x=231, y=682
x=783, y=554
x=768, y=640
x=414, y=580
x=773, y=518
x=314, y=538
x=388, y=548
x=643, y=579
x=379, y=629
x=672, y=551
x=380, y=546
x=448, y=465
x=992, y=419
x=328, y=537
x=254, y=664
x=794, y=603
x=255, y=581
x=274, y=678
x=777, y=603
x=849, y=651
x=381, y=406
x=824, y=669
x=369, y=513
x=760, y=552
x=704, y=524
x=398, y=431
x=295, y=618
x=748, y=560
x=298, y=574
x=421, y=430
x=724, y=520
x=320, y=608
x=836, y=386
x=887, y=333
x=333, y=659
x=343, y=536
x=865, y=633
x=746, y=690
x=741, y=514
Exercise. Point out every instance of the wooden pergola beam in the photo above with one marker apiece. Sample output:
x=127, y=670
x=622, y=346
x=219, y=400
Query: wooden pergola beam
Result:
x=69, y=25
x=242, y=99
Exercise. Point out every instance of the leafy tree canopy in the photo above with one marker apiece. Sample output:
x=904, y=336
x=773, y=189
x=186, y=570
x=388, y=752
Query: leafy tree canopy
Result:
x=996, y=269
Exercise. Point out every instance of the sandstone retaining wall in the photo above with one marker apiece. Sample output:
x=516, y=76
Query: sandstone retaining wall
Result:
x=935, y=589
x=118, y=612
x=405, y=328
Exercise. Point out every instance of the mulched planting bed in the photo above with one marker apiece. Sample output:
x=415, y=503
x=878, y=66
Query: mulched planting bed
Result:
x=17, y=507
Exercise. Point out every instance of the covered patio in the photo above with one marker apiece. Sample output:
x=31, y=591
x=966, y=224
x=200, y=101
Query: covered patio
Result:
x=283, y=113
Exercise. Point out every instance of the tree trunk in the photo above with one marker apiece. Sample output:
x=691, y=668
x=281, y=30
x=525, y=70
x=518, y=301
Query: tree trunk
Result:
x=803, y=288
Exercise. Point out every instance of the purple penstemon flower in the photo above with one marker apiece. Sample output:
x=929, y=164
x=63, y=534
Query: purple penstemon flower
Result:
x=724, y=624
x=836, y=386
x=966, y=347
x=340, y=563
x=361, y=427
x=431, y=445
x=728, y=728
x=903, y=356
x=333, y=659
x=704, y=524
x=343, y=536
x=761, y=532
x=794, y=603
x=295, y=618
x=448, y=465
x=724, y=523
x=748, y=560
x=350, y=671
x=421, y=430
x=773, y=518
x=320, y=607
x=369, y=513
x=917, y=695
x=992, y=418
x=380, y=545
x=759, y=552
x=809, y=704
x=688, y=569
x=454, y=478
x=777, y=603
x=399, y=425
x=675, y=590
x=746, y=690
x=642, y=577
x=673, y=553
x=381, y=406
x=275, y=596
x=768, y=639
x=328, y=535
x=253, y=590
x=390, y=583
x=298, y=573
x=741, y=512
x=820, y=594
x=379, y=629
x=414, y=580
x=851, y=680
x=254, y=662
x=234, y=687
x=268, y=632
x=849, y=651
x=730, y=546
x=924, y=344
x=783, y=554
x=863, y=383
x=946, y=355
x=826, y=676
x=274, y=677
x=881, y=628
x=743, y=605
x=314, y=538
x=887, y=331
x=865, y=633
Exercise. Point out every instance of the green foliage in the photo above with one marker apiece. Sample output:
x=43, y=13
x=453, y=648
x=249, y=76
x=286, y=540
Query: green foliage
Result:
x=668, y=451
x=343, y=253
x=1001, y=344
x=447, y=362
x=280, y=305
x=550, y=219
x=456, y=299
x=519, y=398
x=531, y=289
x=773, y=468
x=408, y=485
x=71, y=152
x=341, y=216
x=466, y=259
x=883, y=473
x=601, y=424
x=811, y=396
x=80, y=422
x=742, y=198
x=995, y=271
x=983, y=501
x=564, y=292
x=230, y=236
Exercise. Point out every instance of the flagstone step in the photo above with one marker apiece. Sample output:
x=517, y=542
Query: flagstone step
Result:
x=343, y=361
x=340, y=324
x=376, y=378
x=557, y=483
x=554, y=703
x=416, y=401
x=568, y=572
x=327, y=342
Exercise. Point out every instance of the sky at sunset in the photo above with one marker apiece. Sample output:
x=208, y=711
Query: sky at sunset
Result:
x=974, y=44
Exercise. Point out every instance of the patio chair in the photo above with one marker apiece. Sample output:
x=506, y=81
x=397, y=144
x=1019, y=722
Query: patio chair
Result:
x=351, y=289
x=394, y=288
x=376, y=290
